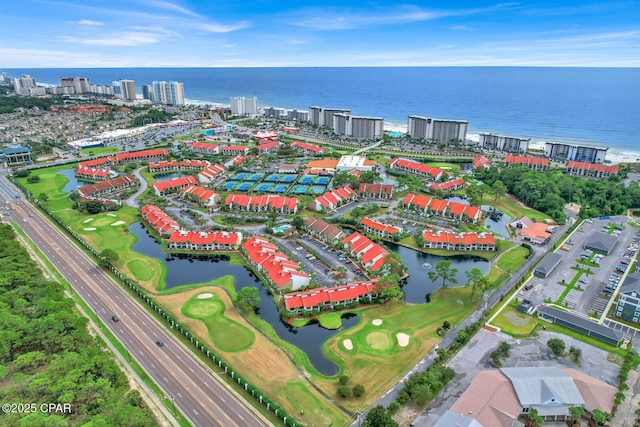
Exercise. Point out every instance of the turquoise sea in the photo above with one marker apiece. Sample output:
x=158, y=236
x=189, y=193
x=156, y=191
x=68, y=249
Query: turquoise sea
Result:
x=597, y=106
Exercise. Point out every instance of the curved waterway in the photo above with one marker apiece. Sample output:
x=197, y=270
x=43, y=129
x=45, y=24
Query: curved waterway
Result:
x=197, y=269
x=74, y=182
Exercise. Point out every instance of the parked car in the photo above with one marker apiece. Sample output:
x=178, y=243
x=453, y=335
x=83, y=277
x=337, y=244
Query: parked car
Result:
x=159, y=343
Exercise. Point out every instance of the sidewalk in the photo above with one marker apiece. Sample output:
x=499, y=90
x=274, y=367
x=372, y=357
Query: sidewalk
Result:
x=625, y=414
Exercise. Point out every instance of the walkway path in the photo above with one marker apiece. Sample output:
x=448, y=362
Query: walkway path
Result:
x=132, y=201
x=625, y=414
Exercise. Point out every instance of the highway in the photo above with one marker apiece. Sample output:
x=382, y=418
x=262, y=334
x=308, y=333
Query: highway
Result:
x=201, y=398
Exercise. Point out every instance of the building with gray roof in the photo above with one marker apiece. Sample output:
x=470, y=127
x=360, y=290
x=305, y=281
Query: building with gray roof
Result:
x=601, y=243
x=451, y=419
x=581, y=324
x=547, y=264
x=628, y=306
x=15, y=155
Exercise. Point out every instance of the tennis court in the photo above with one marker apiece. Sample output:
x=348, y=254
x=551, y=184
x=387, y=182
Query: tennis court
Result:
x=317, y=189
x=255, y=177
x=321, y=180
x=299, y=189
x=279, y=188
x=245, y=186
x=272, y=178
x=230, y=186
x=265, y=188
x=288, y=179
x=242, y=176
x=306, y=180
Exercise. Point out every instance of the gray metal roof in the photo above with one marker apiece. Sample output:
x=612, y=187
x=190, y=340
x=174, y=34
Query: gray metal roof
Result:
x=547, y=386
x=631, y=283
x=581, y=322
x=548, y=263
x=602, y=241
x=451, y=419
x=16, y=150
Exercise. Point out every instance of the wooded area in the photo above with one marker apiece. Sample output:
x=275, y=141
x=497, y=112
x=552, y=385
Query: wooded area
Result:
x=550, y=191
x=48, y=356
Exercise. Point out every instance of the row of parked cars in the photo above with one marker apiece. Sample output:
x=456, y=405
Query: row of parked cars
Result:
x=621, y=268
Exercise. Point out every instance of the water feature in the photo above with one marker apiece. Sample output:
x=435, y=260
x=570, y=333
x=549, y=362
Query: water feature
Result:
x=197, y=269
x=418, y=285
x=74, y=182
x=495, y=225
x=170, y=175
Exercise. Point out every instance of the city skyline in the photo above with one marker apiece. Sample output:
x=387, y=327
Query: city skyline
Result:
x=156, y=33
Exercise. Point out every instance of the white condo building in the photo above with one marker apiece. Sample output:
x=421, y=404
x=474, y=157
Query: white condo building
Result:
x=80, y=85
x=358, y=126
x=170, y=93
x=241, y=106
x=124, y=89
x=321, y=116
x=510, y=144
x=437, y=130
x=577, y=152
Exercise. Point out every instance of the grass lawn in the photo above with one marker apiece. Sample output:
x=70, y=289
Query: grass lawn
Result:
x=98, y=151
x=516, y=209
x=512, y=259
x=448, y=167
x=52, y=184
x=330, y=320
x=515, y=323
x=227, y=335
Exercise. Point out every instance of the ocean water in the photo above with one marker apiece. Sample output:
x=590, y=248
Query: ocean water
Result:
x=597, y=106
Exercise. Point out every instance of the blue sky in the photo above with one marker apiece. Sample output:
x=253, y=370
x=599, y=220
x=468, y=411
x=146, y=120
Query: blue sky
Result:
x=207, y=33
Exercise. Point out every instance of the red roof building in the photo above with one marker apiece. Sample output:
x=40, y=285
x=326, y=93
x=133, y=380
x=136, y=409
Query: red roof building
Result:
x=93, y=174
x=416, y=168
x=268, y=148
x=234, y=150
x=458, y=242
x=308, y=149
x=452, y=185
x=162, y=223
x=101, y=161
x=375, y=191
x=109, y=186
x=205, y=241
x=535, y=163
x=481, y=162
x=330, y=298
x=204, y=197
x=205, y=148
x=264, y=203
x=276, y=266
x=163, y=166
x=193, y=164
x=210, y=173
x=332, y=199
x=442, y=208
x=138, y=156
x=591, y=170
x=171, y=186
x=379, y=228
x=370, y=254
x=323, y=231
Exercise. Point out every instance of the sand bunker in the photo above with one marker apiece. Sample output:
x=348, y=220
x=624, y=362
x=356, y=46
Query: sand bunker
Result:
x=403, y=339
x=117, y=223
x=111, y=214
x=347, y=344
x=205, y=296
x=90, y=229
x=88, y=220
x=376, y=322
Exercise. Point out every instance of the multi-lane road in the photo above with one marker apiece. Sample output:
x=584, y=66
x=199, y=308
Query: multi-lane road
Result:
x=198, y=395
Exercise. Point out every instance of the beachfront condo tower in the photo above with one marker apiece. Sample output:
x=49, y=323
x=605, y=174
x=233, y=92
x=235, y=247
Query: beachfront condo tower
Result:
x=579, y=153
x=321, y=116
x=361, y=127
x=241, y=106
x=509, y=144
x=437, y=130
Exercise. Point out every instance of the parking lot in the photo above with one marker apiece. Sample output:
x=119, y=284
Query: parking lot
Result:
x=593, y=290
x=333, y=258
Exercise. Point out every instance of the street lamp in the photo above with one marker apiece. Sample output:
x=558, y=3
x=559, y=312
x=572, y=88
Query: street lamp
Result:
x=173, y=402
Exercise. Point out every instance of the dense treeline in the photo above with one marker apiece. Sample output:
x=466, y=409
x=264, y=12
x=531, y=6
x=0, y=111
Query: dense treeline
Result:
x=153, y=116
x=9, y=104
x=550, y=191
x=48, y=356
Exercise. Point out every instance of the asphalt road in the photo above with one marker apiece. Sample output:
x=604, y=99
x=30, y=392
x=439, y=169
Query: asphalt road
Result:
x=197, y=393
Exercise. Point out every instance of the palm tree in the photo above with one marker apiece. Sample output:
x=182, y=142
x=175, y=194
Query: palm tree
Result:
x=533, y=419
x=443, y=269
x=576, y=413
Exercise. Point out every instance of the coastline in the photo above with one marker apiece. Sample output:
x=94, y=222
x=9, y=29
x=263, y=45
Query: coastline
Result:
x=614, y=156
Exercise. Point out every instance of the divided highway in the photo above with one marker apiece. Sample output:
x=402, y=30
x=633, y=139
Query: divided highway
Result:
x=202, y=399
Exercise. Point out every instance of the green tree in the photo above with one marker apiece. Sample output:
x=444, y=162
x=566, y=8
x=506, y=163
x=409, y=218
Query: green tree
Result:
x=108, y=256
x=483, y=189
x=343, y=380
x=575, y=353
x=600, y=417
x=444, y=270
x=379, y=417
x=43, y=197
x=33, y=179
x=557, y=346
x=344, y=391
x=534, y=418
x=248, y=299
x=93, y=207
x=388, y=288
x=298, y=222
x=498, y=189
x=392, y=264
x=478, y=282
x=358, y=390
x=576, y=413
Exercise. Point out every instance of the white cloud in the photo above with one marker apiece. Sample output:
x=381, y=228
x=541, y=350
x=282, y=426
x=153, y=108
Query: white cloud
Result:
x=170, y=6
x=218, y=28
x=122, y=39
x=88, y=22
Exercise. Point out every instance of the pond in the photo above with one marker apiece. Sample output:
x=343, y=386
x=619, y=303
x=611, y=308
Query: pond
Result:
x=167, y=176
x=186, y=270
x=418, y=285
x=497, y=225
x=74, y=182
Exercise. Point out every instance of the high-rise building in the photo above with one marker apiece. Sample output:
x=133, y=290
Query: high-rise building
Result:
x=80, y=85
x=241, y=106
x=125, y=89
x=170, y=93
x=437, y=130
x=510, y=144
x=23, y=84
x=577, y=152
x=321, y=116
x=358, y=126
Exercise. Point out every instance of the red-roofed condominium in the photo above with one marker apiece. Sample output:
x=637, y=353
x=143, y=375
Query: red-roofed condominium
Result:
x=273, y=264
x=205, y=241
x=157, y=219
x=591, y=170
x=266, y=203
x=535, y=163
x=307, y=149
x=323, y=231
x=139, y=156
x=470, y=241
x=334, y=198
x=375, y=191
x=416, y=168
x=442, y=208
x=371, y=255
x=173, y=185
x=333, y=298
x=380, y=229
